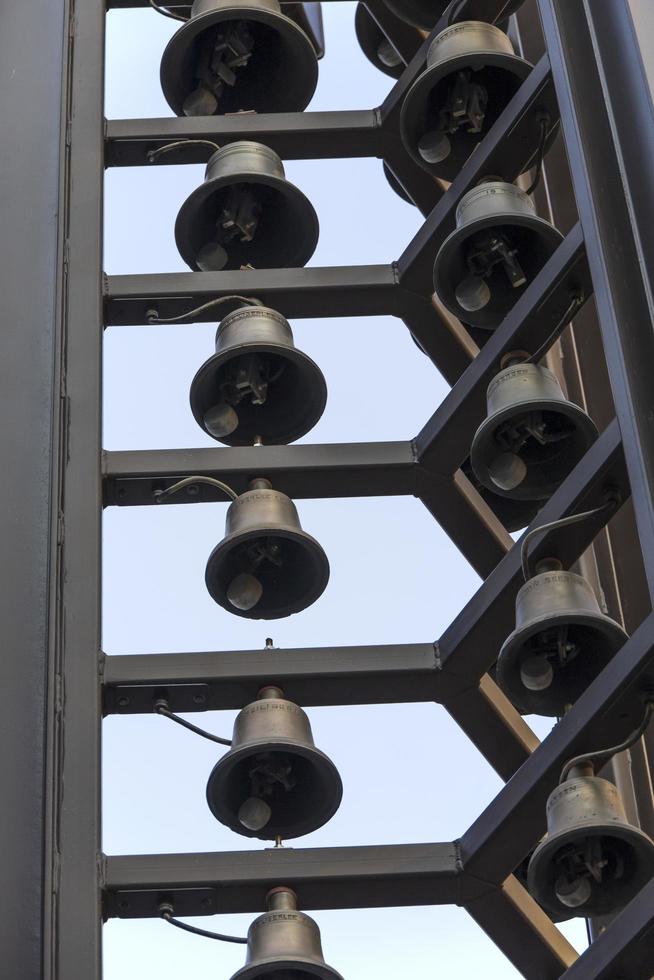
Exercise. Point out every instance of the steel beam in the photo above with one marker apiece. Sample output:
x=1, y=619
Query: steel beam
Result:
x=608, y=119
x=471, y=643
x=625, y=949
x=506, y=150
x=307, y=471
x=30, y=445
x=324, y=878
x=311, y=676
x=293, y=135
x=611, y=707
x=524, y=933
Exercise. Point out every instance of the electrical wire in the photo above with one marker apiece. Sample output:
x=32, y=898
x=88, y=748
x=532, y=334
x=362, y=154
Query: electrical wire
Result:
x=565, y=318
x=540, y=154
x=188, y=481
x=609, y=753
x=152, y=155
x=168, y=916
x=152, y=316
x=161, y=708
x=564, y=522
x=167, y=13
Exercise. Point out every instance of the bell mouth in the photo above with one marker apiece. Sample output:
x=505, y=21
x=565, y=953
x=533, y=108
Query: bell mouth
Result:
x=596, y=639
x=295, y=584
x=288, y=64
x=500, y=74
x=630, y=855
x=308, y=805
x=287, y=231
x=422, y=14
x=295, y=400
x=546, y=466
x=370, y=37
x=535, y=241
x=287, y=968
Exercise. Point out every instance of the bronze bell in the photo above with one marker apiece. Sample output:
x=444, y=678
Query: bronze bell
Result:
x=375, y=45
x=497, y=249
x=425, y=14
x=266, y=566
x=238, y=55
x=257, y=383
x=246, y=212
x=560, y=644
x=472, y=74
x=592, y=860
x=273, y=782
x=284, y=944
x=532, y=436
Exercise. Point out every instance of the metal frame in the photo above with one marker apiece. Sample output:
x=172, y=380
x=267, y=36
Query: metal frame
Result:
x=611, y=163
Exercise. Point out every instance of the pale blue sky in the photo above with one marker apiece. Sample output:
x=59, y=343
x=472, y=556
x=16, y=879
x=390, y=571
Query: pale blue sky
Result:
x=409, y=774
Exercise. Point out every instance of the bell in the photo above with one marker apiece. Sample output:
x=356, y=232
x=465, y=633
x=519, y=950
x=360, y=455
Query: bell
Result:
x=266, y=566
x=246, y=213
x=375, y=45
x=472, y=74
x=498, y=247
x=273, y=782
x=560, y=644
x=532, y=436
x=257, y=383
x=592, y=860
x=425, y=14
x=284, y=944
x=238, y=55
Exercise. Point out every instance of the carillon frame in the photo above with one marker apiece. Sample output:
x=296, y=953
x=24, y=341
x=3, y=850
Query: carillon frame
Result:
x=590, y=80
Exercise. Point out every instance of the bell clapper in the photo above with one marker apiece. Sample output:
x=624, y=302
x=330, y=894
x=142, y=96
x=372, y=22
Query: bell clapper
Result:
x=485, y=252
x=223, y=54
x=465, y=108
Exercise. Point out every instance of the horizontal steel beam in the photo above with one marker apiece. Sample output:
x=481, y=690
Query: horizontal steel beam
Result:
x=306, y=471
x=605, y=713
x=324, y=878
x=369, y=290
x=293, y=135
x=506, y=150
x=471, y=643
x=311, y=676
x=625, y=949
x=315, y=292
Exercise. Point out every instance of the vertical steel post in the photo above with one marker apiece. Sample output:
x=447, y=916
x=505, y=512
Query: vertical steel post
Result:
x=76, y=782
x=32, y=50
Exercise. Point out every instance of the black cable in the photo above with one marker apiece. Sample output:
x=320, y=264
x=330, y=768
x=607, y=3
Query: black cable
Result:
x=152, y=316
x=152, y=155
x=190, y=481
x=161, y=708
x=565, y=318
x=611, y=503
x=166, y=13
x=609, y=753
x=167, y=916
x=540, y=154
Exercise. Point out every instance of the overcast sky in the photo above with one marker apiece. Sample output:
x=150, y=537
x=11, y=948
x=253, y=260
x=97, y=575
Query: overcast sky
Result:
x=409, y=774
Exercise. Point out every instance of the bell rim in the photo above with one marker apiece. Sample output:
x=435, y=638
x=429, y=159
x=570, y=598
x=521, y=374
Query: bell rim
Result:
x=418, y=95
x=484, y=437
x=364, y=25
x=330, y=779
x=443, y=282
x=523, y=699
x=413, y=16
x=546, y=897
x=257, y=969
x=317, y=386
x=304, y=55
x=304, y=212
x=282, y=531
